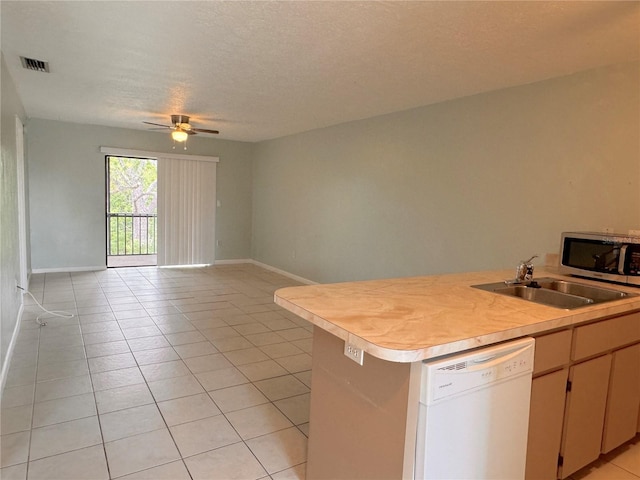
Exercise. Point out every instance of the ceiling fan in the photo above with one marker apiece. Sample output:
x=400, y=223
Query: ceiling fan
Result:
x=181, y=128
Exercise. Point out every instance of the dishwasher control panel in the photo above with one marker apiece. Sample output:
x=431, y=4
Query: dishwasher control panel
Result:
x=469, y=371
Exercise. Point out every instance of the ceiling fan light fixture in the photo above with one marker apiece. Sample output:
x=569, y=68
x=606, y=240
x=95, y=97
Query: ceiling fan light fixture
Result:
x=179, y=135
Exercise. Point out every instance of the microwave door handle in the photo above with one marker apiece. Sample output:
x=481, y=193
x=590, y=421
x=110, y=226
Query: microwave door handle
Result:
x=621, y=259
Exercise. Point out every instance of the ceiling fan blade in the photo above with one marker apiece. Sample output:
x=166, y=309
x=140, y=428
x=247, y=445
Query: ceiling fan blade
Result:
x=181, y=124
x=204, y=130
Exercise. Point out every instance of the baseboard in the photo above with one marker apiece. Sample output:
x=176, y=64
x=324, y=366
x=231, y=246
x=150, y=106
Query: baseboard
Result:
x=68, y=269
x=284, y=273
x=7, y=360
x=292, y=276
x=233, y=261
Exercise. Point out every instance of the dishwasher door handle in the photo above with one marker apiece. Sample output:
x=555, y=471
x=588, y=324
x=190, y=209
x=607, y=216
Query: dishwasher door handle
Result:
x=484, y=359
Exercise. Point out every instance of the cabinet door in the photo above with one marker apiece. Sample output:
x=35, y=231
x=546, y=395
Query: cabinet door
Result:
x=584, y=414
x=548, y=394
x=624, y=397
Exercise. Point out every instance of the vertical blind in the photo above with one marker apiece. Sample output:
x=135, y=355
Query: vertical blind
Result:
x=186, y=211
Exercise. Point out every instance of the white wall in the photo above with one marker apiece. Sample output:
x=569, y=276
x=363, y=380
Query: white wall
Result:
x=475, y=183
x=67, y=190
x=10, y=300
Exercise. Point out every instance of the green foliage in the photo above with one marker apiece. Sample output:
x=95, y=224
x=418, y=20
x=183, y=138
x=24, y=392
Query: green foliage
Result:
x=132, y=185
x=132, y=191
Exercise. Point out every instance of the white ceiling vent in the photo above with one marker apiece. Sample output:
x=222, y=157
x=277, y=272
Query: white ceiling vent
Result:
x=33, y=64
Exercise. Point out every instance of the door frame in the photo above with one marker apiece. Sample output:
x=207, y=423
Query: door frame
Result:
x=22, y=205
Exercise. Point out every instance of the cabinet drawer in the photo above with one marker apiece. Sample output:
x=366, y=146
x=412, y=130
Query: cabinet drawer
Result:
x=552, y=351
x=606, y=335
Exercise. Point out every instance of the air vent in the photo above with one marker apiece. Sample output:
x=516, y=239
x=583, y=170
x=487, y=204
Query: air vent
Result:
x=455, y=366
x=33, y=64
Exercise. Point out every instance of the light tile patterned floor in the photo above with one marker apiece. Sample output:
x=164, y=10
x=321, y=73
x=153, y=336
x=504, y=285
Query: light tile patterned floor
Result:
x=161, y=374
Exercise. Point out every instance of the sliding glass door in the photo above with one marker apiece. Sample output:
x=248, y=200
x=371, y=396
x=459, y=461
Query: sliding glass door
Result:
x=131, y=211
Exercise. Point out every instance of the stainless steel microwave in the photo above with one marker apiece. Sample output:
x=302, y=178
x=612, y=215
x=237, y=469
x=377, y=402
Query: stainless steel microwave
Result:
x=601, y=256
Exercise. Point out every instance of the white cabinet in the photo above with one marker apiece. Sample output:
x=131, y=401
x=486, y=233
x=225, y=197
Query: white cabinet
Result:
x=548, y=392
x=584, y=414
x=623, y=400
x=545, y=425
x=585, y=397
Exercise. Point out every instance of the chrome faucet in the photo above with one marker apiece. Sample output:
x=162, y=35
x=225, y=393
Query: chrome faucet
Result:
x=524, y=271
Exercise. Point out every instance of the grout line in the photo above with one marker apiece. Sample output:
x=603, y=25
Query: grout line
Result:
x=95, y=400
x=33, y=405
x=156, y=285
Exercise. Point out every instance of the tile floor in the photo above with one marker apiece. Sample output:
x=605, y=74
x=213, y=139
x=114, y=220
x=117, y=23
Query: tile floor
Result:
x=161, y=374
x=620, y=464
x=170, y=374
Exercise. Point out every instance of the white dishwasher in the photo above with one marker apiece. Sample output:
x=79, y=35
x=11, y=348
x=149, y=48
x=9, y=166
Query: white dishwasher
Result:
x=474, y=414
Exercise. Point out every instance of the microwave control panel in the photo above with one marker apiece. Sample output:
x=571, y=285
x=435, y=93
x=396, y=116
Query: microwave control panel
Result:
x=632, y=260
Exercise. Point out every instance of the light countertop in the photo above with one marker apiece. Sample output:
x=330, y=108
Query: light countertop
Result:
x=415, y=318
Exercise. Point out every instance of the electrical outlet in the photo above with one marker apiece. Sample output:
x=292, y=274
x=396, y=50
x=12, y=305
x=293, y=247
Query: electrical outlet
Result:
x=354, y=353
x=218, y=243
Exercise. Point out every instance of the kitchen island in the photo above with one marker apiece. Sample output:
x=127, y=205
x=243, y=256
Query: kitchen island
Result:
x=363, y=417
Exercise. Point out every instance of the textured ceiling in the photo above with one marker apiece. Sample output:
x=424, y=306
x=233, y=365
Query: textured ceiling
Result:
x=260, y=70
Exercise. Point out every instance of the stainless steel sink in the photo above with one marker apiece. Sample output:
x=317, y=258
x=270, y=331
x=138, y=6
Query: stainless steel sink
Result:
x=547, y=297
x=597, y=294
x=557, y=293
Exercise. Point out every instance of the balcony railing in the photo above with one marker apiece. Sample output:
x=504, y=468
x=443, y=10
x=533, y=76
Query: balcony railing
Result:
x=131, y=234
